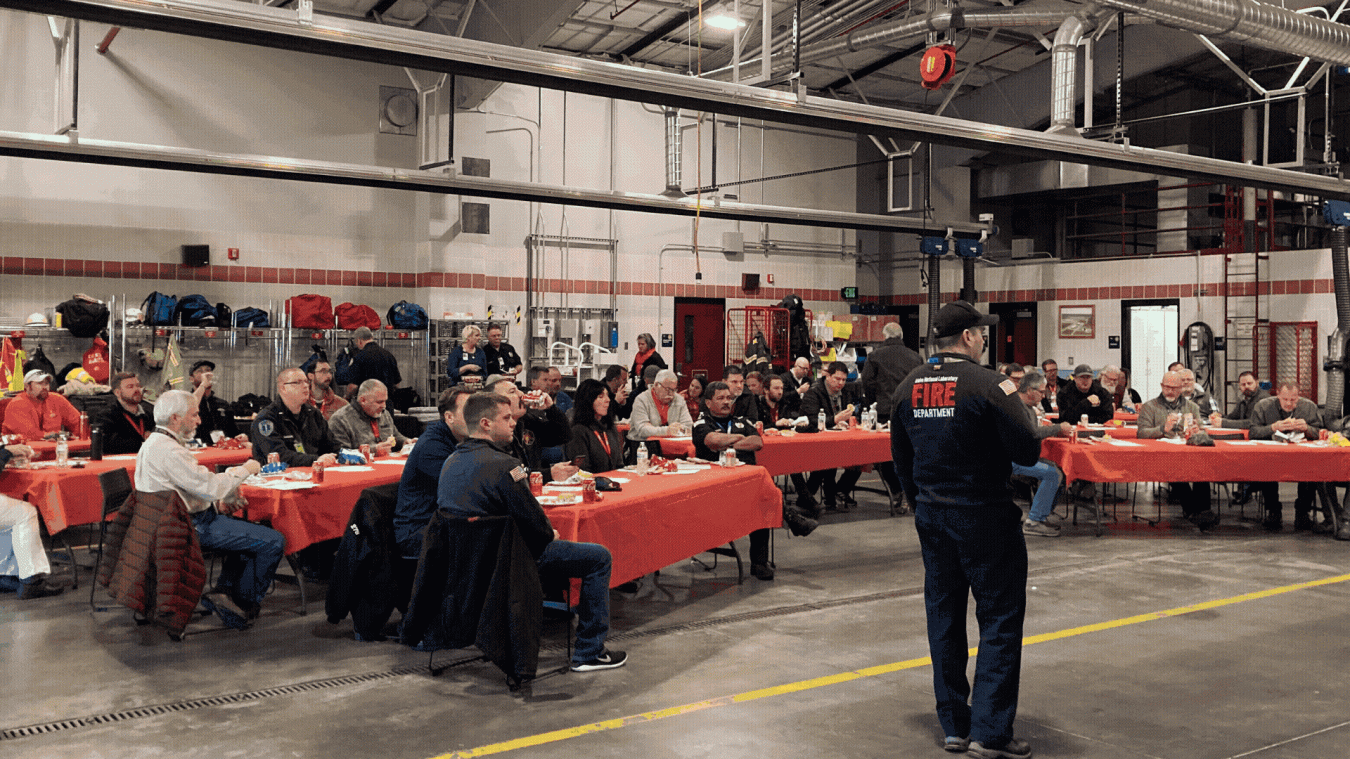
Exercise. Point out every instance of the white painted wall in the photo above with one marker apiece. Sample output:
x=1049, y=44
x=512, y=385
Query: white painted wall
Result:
x=159, y=89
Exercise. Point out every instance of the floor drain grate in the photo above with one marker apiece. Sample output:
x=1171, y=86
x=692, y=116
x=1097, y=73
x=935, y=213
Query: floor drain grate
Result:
x=155, y=710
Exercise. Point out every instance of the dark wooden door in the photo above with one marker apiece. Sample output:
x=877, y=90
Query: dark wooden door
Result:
x=700, y=337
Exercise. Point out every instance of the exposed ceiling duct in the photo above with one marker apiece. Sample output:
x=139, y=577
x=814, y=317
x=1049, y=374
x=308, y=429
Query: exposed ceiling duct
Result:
x=371, y=42
x=1064, y=67
x=1249, y=23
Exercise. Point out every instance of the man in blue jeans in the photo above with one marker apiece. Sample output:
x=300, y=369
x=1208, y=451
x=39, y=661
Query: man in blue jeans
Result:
x=165, y=463
x=481, y=479
x=1041, y=521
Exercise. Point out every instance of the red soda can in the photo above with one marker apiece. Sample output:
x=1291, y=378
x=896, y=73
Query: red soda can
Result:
x=318, y=472
x=536, y=484
x=365, y=452
x=588, y=493
x=274, y=458
x=1073, y=435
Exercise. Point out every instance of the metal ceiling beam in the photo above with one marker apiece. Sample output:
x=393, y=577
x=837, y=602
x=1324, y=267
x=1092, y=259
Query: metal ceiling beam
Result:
x=343, y=38
x=654, y=36
x=268, y=167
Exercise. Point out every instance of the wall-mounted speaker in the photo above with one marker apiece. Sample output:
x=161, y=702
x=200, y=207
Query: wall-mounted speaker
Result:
x=749, y=282
x=196, y=255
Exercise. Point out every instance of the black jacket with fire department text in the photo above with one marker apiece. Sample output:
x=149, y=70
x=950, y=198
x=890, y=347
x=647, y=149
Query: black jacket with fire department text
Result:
x=955, y=432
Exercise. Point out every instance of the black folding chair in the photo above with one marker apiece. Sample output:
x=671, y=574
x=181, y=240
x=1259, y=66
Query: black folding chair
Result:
x=116, y=487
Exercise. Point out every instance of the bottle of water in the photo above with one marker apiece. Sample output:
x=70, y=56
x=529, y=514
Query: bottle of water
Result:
x=642, y=456
x=62, y=451
x=820, y=421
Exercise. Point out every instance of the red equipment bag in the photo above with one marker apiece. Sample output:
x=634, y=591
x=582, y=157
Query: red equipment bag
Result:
x=352, y=316
x=311, y=311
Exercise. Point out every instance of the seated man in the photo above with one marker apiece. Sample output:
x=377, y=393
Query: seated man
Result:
x=560, y=397
x=215, y=412
x=37, y=413
x=481, y=479
x=368, y=422
x=718, y=429
x=321, y=394
x=658, y=412
x=25, y=536
x=418, y=487
x=783, y=409
x=1241, y=415
x=127, y=423
x=1050, y=368
x=292, y=427
x=1197, y=394
x=541, y=380
x=164, y=463
x=1084, y=397
x=502, y=358
x=1123, y=397
x=1041, y=520
x=797, y=379
x=1286, y=415
x=536, y=429
x=616, y=379
x=1165, y=416
x=748, y=404
x=842, y=404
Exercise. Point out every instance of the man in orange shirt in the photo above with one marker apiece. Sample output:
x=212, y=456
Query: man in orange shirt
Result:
x=39, y=414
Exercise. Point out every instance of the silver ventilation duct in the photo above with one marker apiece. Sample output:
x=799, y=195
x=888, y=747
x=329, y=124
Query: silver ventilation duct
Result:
x=674, y=155
x=1064, y=67
x=1249, y=23
x=953, y=18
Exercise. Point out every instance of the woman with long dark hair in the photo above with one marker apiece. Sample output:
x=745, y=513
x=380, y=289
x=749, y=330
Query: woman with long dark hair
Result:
x=595, y=438
x=693, y=396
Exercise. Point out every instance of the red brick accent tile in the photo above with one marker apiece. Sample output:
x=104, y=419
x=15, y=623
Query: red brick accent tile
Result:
x=490, y=283
x=1307, y=287
x=270, y=275
x=286, y=276
x=310, y=276
x=1323, y=286
x=238, y=274
x=379, y=278
x=253, y=274
x=1277, y=287
x=365, y=278
x=348, y=278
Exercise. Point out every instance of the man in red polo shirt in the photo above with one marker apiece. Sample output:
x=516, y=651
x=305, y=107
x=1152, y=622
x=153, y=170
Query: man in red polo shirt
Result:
x=38, y=414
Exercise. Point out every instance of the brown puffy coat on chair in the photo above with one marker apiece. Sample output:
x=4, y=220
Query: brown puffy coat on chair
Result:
x=153, y=559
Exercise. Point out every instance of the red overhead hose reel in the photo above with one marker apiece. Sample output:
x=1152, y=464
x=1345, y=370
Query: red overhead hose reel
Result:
x=937, y=66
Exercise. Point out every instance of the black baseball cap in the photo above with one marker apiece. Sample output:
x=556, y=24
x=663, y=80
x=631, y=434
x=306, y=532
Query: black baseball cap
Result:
x=958, y=316
x=208, y=364
x=1083, y=370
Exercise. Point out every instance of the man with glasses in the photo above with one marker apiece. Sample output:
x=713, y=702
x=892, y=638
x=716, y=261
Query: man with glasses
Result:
x=657, y=412
x=1041, y=520
x=321, y=393
x=956, y=430
x=1165, y=417
x=292, y=427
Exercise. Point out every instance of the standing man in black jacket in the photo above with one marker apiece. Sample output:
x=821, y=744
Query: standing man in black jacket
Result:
x=1085, y=396
x=885, y=368
x=841, y=403
x=956, y=431
x=372, y=361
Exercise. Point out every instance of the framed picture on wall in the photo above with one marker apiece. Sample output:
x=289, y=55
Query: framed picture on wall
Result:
x=1077, y=321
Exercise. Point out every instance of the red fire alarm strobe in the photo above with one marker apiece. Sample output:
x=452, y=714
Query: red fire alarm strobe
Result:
x=937, y=66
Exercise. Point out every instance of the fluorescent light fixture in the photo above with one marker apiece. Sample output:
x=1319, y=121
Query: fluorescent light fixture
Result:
x=724, y=20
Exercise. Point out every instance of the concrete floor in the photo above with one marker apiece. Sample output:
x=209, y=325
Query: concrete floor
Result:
x=1260, y=676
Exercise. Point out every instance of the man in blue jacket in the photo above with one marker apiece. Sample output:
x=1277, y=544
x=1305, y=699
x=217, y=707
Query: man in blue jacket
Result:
x=481, y=479
x=418, y=487
x=956, y=430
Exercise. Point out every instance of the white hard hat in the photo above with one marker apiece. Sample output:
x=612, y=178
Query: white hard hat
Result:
x=36, y=319
x=133, y=315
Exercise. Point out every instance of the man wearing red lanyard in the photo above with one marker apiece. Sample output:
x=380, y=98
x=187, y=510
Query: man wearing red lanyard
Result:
x=367, y=422
x=127, y=422
x=658, y=412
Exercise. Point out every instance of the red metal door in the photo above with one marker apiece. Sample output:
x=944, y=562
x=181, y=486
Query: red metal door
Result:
x=700, y=334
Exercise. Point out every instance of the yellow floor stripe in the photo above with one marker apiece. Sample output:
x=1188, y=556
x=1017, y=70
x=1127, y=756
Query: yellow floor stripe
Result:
x=843, y=677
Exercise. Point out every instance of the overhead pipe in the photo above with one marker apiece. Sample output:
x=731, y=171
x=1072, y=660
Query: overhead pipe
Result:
x=1249, y=23
x=1064, y=68
x=674, y=155
x=1335, y=363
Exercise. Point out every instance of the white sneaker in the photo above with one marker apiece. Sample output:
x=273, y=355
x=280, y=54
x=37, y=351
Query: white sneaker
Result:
x=1041, y=529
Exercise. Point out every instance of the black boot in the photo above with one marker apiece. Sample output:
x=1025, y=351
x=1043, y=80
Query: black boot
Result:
x=800, y=526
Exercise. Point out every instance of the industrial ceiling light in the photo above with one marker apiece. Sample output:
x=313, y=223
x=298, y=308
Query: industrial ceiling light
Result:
x=725, y=21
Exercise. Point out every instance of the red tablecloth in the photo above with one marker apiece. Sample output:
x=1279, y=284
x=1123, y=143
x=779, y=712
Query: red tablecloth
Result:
x=1130, y=432
x=45, y=450
x=308, y=516
x=1227, y=461
x=809, y=452
x=657, y=521
x=69, y=497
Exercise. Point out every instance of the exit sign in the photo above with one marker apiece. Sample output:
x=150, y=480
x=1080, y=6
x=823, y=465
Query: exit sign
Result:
x=848, y=293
